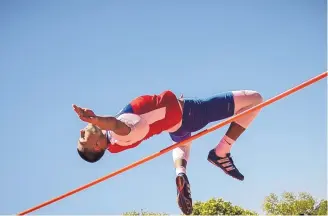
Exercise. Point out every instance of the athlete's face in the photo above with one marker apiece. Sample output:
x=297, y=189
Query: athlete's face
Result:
x=92, y=140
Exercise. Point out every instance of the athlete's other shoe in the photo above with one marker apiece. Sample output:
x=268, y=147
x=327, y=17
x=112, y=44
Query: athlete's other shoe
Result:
x=184, y=194
x=226, y=164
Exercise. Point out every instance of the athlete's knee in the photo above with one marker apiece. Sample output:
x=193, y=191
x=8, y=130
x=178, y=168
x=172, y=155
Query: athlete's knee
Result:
x=256, y=97
x=182, y=152
x=246, y=98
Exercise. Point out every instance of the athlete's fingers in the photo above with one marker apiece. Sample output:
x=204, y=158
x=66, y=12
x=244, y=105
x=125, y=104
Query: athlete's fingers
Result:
x=77, y=109
x=83, y=111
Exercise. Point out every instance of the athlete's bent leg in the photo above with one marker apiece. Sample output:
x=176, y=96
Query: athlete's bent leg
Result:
x=220, y=156
x=243, y=100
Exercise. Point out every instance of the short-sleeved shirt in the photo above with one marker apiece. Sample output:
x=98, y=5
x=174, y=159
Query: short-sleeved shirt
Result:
x=146, y=115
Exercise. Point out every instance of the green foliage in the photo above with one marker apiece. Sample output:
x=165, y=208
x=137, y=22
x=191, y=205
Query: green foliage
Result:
x=294, y=204
x=288, y=204
x=219, y=207
x=321, y=209
x=210, y=207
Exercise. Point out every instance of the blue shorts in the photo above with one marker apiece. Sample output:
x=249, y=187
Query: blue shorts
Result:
x=197, y=113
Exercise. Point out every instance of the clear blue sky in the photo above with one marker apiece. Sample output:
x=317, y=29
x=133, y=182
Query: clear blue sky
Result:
x=101, y=54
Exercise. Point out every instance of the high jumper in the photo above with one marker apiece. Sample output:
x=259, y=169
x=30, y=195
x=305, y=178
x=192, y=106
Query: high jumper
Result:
x=149, y=115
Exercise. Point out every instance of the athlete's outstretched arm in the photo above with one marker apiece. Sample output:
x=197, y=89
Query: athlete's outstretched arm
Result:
x=103, y=122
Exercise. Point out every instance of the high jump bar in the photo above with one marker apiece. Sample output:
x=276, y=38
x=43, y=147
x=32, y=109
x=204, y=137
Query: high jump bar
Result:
x=193, y=137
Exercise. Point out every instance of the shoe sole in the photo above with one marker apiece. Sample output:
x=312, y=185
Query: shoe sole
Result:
x=181, y=199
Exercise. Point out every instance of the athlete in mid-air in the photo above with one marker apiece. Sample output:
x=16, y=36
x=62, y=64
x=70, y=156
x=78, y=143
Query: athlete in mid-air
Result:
x=148, y=115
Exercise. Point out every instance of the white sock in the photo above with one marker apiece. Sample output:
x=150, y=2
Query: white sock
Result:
x=224, y=146
x=180, y=169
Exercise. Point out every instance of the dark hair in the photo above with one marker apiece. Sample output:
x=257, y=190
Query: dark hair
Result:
x=91, y=156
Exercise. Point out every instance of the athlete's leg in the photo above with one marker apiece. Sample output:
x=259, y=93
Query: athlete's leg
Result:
x=180, y=159
x=243, y=100
x=220, y=156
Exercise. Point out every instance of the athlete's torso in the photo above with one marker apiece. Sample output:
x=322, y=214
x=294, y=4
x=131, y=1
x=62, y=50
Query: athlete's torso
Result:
x=147, y=116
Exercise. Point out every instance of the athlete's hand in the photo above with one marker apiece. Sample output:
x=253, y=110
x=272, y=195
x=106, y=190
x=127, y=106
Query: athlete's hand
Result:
x=103, y=122
x=85, y=114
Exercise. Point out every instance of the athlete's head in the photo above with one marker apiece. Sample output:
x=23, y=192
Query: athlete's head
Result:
x=92, y=143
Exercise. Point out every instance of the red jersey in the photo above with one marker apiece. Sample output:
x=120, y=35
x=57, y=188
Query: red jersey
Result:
x=147, y=116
